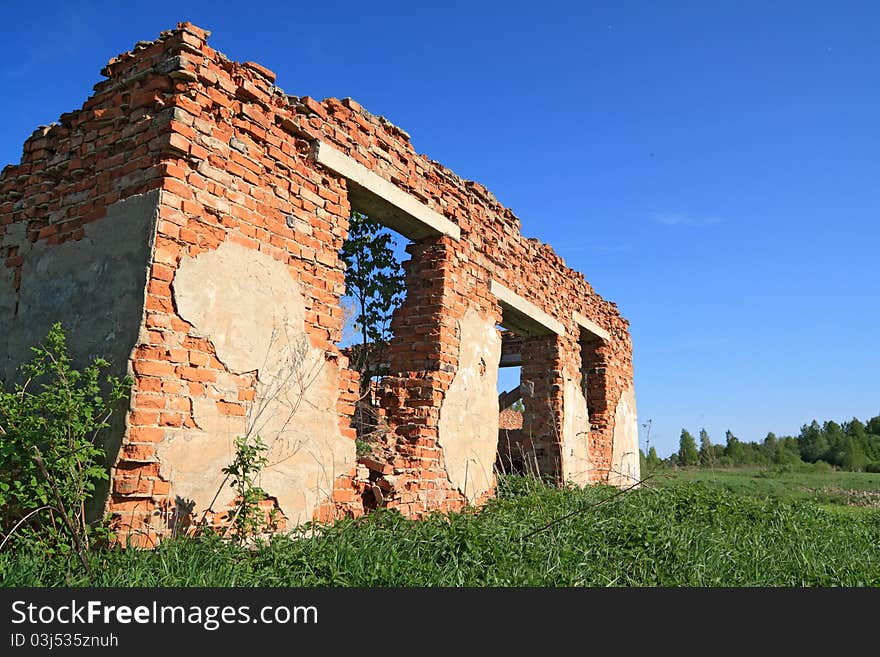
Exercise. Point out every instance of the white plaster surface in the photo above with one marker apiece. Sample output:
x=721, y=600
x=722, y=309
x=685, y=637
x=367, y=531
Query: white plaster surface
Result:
x=625, y=470
x=575, y=434
x=250, y=307
x=468, y=429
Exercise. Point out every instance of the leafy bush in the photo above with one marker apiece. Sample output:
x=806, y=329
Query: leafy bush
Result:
x=246, y=516
x=50, y=450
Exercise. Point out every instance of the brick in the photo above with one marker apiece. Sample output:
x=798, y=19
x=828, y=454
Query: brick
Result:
x=166, y=255
x=159, y=288
x=170, y=419
x=262, y=70
x=172, y=387
x=161, y=487
x=196, y=374
x=144, y=401
x=146, y=434
x=227, y=408
x=178, y=188
x=162, y=272
x=138, y=452
x=146, y=384
x=143, y=417
x=152, y=368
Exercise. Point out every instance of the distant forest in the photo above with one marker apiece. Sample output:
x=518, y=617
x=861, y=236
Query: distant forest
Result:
x=853, y=445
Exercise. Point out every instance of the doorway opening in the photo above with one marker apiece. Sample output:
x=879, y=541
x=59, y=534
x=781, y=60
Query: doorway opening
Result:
x=374, y=289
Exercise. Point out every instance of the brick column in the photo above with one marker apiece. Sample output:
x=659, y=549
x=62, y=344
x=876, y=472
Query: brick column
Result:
x=595, y=357
x=423, y=359
x=542, y=389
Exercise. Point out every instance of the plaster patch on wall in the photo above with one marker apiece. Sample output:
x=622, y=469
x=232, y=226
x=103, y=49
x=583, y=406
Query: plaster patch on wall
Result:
x=625, y=469
x=232, y=297
x=468, y=427
x=193, y=459
x=575, y=434
x=300, y=424
x=251, y=309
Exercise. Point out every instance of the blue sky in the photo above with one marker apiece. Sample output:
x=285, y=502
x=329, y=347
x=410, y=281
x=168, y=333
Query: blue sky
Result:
x=714, y=168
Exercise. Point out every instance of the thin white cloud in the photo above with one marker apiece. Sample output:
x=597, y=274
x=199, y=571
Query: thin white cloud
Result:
x=591, y=247
x=680, y=219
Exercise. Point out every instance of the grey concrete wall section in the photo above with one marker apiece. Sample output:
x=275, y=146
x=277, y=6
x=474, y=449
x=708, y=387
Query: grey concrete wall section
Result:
x=468, y=429
x=96, y=288
x=14, y=235
x=251, y=309
x=8, y=301
x=625, y=469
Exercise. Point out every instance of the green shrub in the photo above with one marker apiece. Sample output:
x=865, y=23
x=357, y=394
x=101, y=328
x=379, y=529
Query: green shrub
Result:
x=50, y=448
x=246, y=516
x=819, y=466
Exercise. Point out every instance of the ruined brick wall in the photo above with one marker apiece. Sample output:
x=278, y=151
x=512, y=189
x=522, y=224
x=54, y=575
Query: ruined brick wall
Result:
x=72, y=177
x=492, y=247
x=241, y=282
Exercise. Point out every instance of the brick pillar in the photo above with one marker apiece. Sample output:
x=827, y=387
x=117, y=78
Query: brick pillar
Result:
x=595, y=357
x=422, y=358
x=542, y=391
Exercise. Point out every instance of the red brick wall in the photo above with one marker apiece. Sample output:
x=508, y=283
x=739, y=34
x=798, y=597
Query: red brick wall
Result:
x=231, y=153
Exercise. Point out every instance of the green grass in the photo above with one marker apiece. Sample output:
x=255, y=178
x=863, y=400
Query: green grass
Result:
x=834, y=489
x=676, y=534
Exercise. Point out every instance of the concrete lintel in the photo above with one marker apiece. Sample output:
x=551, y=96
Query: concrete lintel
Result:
x=523, y=316
x=590, y=327
x=382, y=201
x=510, y=359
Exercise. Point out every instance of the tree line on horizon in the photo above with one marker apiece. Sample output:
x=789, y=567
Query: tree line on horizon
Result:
x=853, y=445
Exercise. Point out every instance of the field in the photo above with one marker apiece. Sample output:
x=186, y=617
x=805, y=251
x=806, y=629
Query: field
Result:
x=684, y=528
x=832, y=489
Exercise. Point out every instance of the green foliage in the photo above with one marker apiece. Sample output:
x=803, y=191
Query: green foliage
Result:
x=683, y=534
x=687, y=449
x=374, y=277
x=51, y=454
x=812, y=443
x=246, y=516
x=853, y=445
x=733, y=449
x=708, y=456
